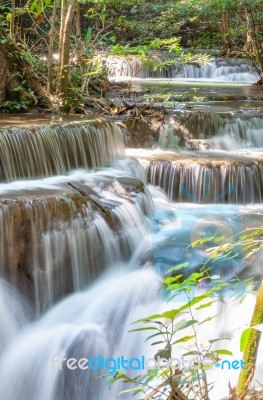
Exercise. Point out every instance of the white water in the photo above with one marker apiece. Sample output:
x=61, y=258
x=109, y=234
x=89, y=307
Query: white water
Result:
x=204, y=177
x=214, y=131
x=64, y=240
x=240, y=133
x=96, y=321
x=88, y=324
x=14, y=313
x=54, y=149
x=219, y=70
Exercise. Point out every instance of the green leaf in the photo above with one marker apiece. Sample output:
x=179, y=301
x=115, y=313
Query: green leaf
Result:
x=102, y=37
x=155, y=343
x=185, y=324
x=89, y=34
x=216, y=340
x=167, y=314
x=170, y=314
x=224, y=352
x=148, y=328
x=174, y=286
x=194, y=301
x=151, y=318
x=184, y=339
x=244, y=338
x=191, y=353
x=134, y=390
x=196, y=275
x=172, y=279
x=177, y=268
x=205, y=305
x=38, y=8
x=207, y=320
x=154, y=335
x=201, y=241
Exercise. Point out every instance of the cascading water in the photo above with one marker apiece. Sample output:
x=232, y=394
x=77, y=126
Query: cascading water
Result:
x=218, y=70
x=55, y=240
x=204, y=177
x=14, y=313
x=92, y=323
x=55, y=149
x=212, y=130
x=50, y=235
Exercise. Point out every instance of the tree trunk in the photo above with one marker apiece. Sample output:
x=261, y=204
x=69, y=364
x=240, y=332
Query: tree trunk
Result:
x=226, y=28
x=64, y=67
x=63, y=13
x=78, y=19
x=12, y=17
x=253, y=44
x=250, y=43
x=13, y=70
x=250, y=353
x=50, y=50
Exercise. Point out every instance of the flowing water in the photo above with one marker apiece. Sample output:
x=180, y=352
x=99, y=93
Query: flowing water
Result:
x=56, y=148
x=214, y=127
x=94, y=322
x=15, y=313
x=54, y=236
x=219, y=70
x=79, y=263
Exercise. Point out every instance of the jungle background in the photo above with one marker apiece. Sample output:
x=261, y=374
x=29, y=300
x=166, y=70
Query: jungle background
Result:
x=51, y=51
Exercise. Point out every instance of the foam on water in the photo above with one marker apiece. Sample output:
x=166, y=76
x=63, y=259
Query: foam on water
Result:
x=218, y=70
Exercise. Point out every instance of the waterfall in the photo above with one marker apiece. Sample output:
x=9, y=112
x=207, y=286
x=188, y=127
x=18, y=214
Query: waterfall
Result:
x=221, y=70
x=212, y=130
x=14, y=313
x=44, y=150
x=89, y=324
x=109, y=238
x=218, y=70
x=201, y=180
x=243, y=133
x=51, y=244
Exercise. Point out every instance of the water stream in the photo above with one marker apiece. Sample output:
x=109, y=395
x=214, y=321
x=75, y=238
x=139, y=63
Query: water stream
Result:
x=79, y=263
x=218, y=70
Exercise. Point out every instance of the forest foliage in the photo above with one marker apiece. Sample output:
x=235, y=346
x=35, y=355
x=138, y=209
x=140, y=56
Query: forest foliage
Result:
x=62, y=40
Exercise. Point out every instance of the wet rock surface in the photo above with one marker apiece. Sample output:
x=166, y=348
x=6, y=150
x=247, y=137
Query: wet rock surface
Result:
x=38, y=232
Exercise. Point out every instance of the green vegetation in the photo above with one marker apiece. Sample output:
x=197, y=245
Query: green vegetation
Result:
x=178, y=330
x=78, y=32
x=52, y=56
